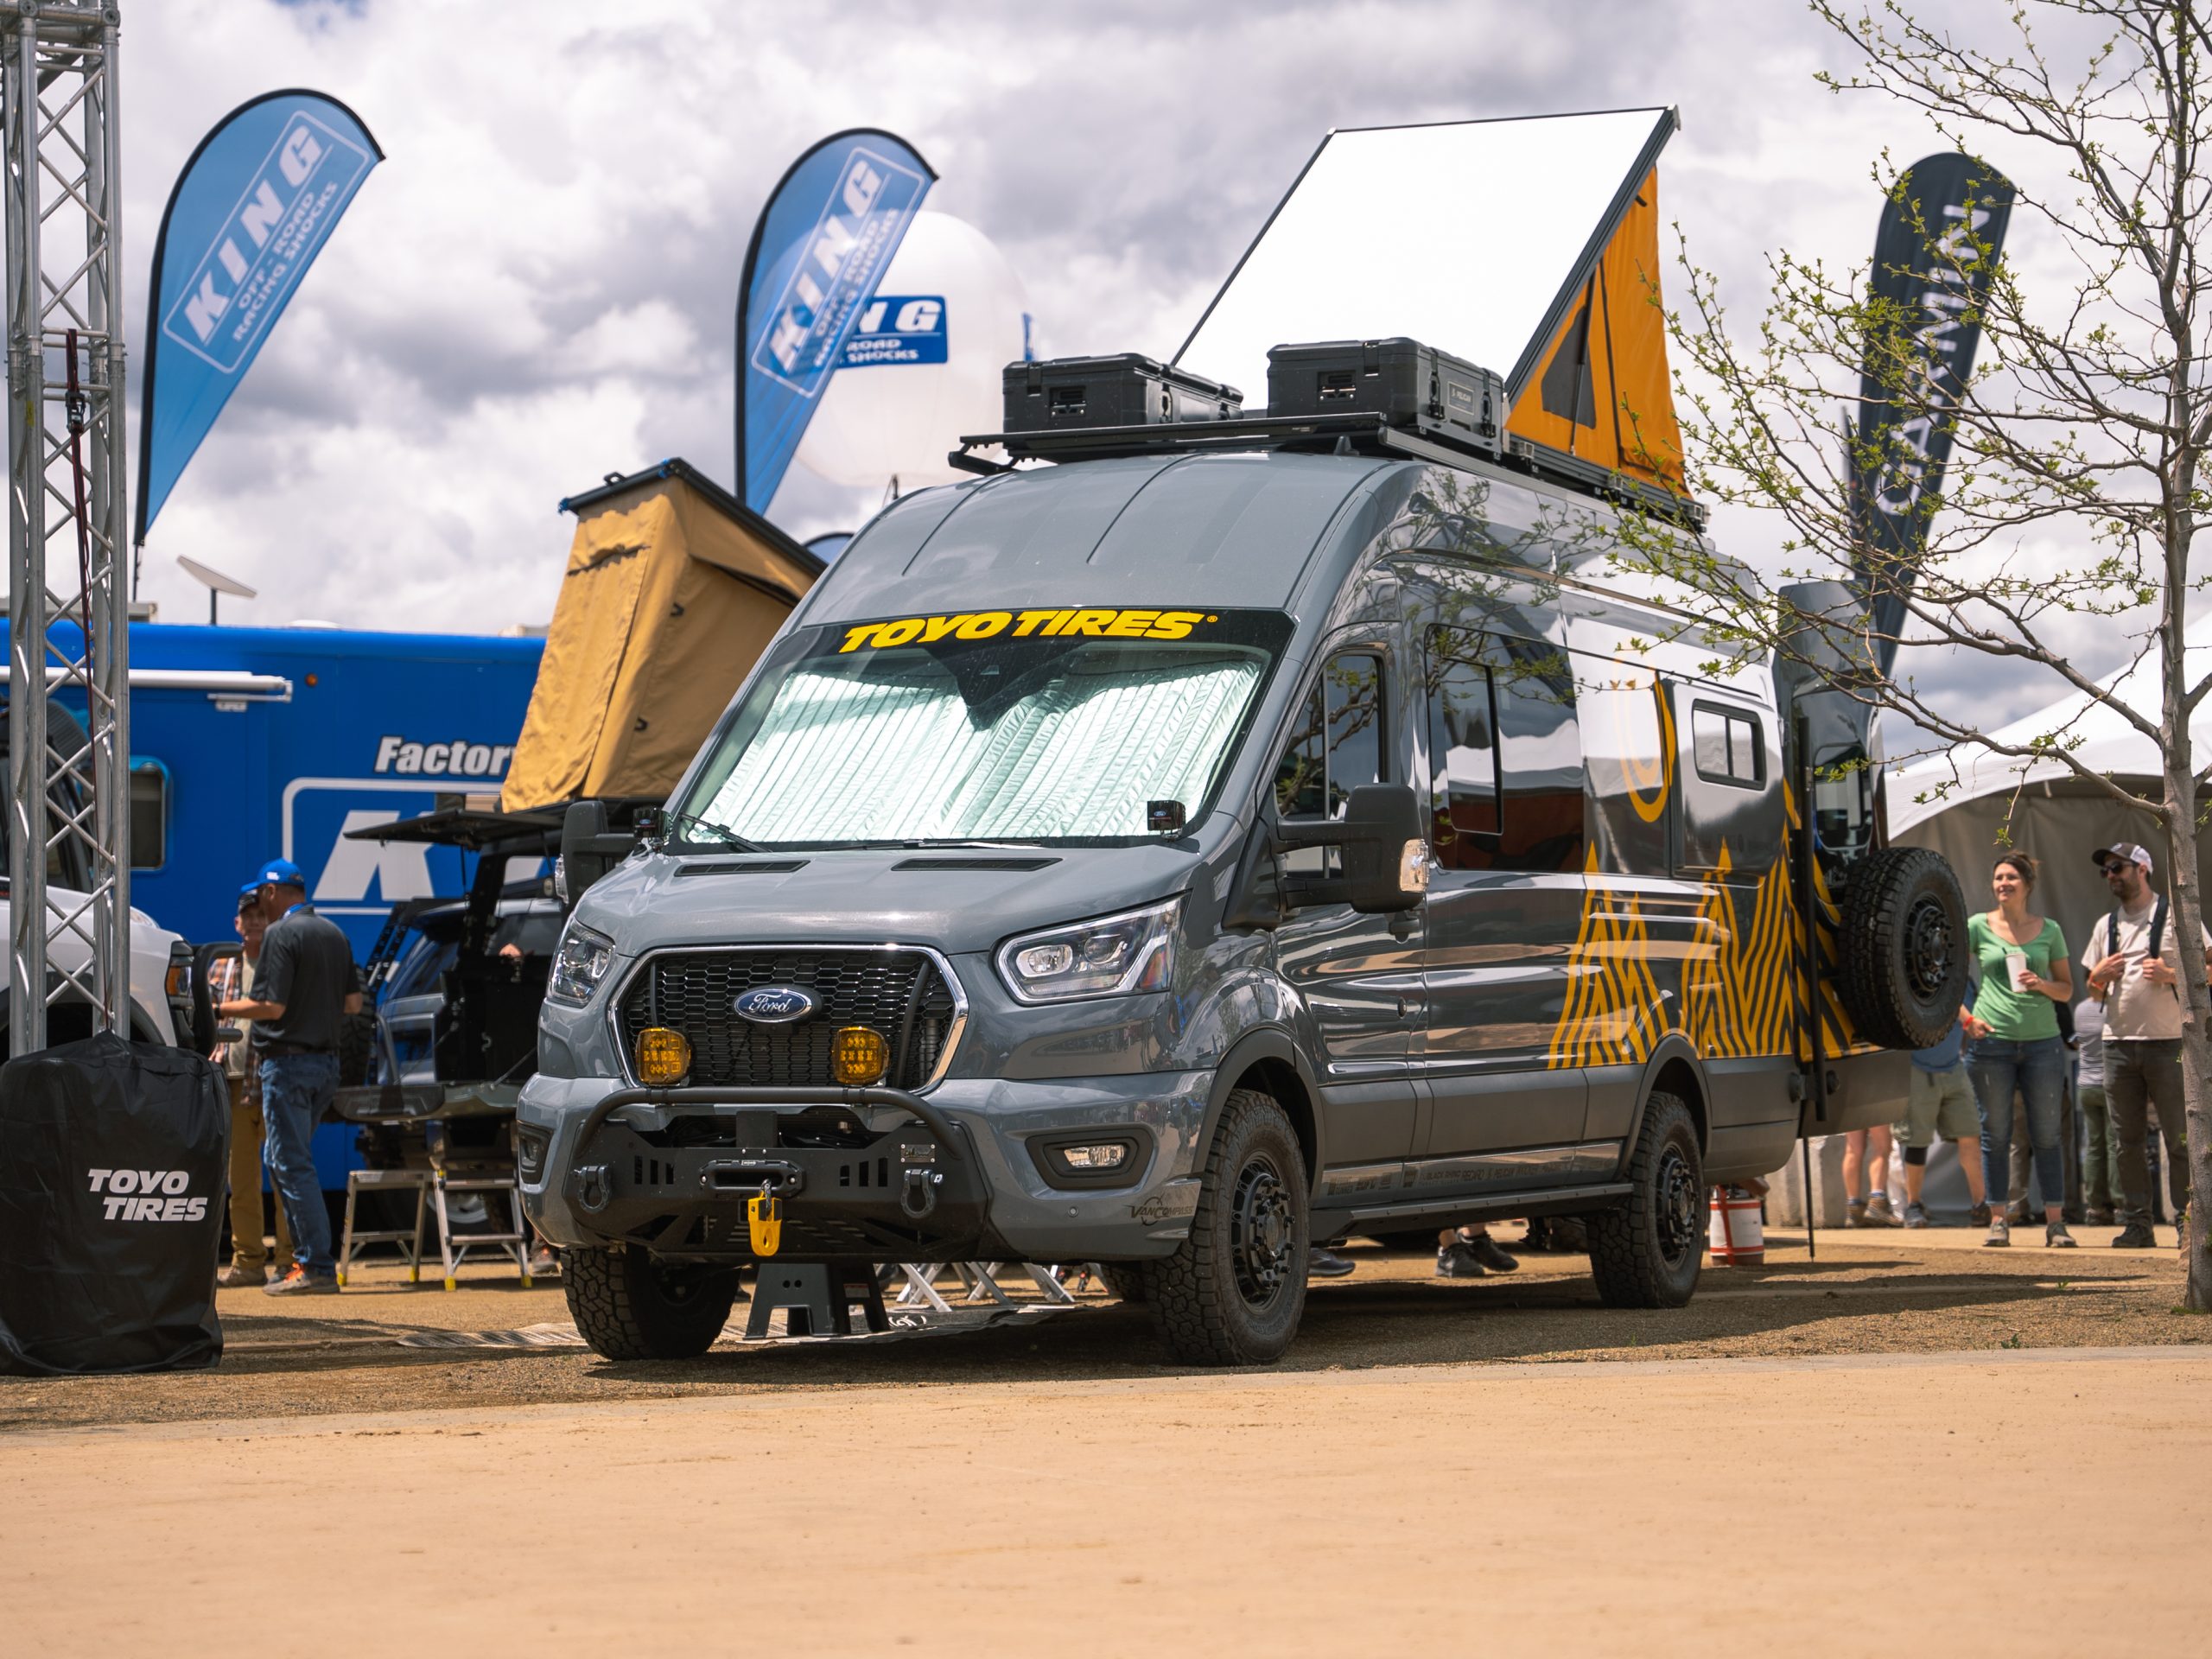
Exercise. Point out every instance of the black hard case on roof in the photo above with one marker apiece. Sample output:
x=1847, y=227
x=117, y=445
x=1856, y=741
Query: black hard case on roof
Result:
x=1069, y=394
x=1409, y=384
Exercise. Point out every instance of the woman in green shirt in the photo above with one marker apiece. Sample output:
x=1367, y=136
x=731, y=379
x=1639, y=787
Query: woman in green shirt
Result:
x=2014, y=1027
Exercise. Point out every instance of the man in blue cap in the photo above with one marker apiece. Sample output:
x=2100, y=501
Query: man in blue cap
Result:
x=304, y=985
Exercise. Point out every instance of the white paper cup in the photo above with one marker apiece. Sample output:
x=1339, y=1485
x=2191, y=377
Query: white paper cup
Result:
x=2016, y=963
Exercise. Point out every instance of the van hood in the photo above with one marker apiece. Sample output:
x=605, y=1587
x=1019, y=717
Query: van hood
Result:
x=958, y=900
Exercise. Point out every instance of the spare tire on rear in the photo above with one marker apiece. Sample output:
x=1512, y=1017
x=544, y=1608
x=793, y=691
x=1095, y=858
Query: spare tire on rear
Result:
x=1902, y=952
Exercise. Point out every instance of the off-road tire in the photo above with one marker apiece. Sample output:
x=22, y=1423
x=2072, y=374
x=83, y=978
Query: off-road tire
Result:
x=628, y=1306
x=1208, y=1308
x=1648, y=1252
x=1901, y=956
x=1124, y=1280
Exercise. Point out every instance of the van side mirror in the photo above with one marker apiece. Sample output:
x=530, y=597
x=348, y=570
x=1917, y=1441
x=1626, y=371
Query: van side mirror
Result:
x=1384, y=848
x=589, y=850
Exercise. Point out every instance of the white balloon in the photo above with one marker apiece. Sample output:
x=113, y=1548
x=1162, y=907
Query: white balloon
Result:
x=898, y=420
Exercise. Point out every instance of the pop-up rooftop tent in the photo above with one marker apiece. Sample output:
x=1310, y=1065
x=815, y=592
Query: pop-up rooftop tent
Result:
x=1528, y=247
x=673, y=589
x=1994, y=801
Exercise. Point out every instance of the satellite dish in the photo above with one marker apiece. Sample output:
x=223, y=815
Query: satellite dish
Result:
x=215, y=582
x=924, y=367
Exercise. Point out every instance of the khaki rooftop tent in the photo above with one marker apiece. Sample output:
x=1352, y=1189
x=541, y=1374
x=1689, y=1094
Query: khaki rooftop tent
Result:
x=673, y=589
x=1529, y=246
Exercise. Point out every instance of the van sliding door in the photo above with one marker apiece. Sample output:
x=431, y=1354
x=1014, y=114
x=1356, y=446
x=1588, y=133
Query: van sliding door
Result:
x=1507, y=840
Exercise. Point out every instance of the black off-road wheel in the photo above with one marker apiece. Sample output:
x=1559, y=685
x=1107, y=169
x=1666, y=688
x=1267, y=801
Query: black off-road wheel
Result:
x=628, y=1306
x=1233, y=1292
x=1649, y=1253
x=1901, y=956
x=1124, y=1280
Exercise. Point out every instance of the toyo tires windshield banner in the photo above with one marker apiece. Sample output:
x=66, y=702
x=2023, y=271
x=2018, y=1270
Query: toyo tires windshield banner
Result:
x=822, y=242
x=252, y=209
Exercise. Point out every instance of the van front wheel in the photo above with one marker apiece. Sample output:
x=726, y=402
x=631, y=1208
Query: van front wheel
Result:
x=1233, y=1290
x=628, y=1306
x=1648, y=1252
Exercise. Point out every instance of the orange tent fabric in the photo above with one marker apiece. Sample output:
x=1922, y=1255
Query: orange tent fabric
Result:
x=1604, y=393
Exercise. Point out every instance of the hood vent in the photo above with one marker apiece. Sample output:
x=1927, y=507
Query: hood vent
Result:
x=997, y=863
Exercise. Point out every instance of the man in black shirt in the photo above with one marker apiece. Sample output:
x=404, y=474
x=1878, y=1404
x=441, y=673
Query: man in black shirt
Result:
x=304, y=985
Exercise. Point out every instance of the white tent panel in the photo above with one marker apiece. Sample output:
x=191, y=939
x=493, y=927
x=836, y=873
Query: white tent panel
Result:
x=2096, y=737
x=1463, y=235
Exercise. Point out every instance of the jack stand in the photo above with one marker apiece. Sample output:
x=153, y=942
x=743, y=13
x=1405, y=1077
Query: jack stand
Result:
x=817, y=1298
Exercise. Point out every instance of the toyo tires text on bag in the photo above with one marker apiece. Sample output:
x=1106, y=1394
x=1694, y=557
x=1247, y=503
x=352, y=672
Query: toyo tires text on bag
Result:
x=1649, y=1253
x=1232, y=1292
x=628, y=1306
x=1901, y=954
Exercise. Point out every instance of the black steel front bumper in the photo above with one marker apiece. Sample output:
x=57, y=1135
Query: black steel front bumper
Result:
x=913, y=1192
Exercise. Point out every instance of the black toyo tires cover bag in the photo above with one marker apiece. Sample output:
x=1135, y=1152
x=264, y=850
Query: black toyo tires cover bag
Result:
x=113, y=1161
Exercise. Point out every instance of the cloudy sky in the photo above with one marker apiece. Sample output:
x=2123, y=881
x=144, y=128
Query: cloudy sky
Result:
x=536, y=287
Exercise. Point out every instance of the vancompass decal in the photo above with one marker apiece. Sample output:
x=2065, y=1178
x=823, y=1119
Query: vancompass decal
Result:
x=1072, y=622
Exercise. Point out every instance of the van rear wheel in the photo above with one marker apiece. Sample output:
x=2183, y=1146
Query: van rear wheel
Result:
x=1233, y=1290
x=628, y=1306
x=1649, y=1253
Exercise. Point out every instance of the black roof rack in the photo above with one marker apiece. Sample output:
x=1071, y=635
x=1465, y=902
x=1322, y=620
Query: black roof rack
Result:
x=1353, y=433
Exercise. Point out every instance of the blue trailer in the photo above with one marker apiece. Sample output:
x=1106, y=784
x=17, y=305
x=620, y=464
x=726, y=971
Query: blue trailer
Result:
x=252, y=743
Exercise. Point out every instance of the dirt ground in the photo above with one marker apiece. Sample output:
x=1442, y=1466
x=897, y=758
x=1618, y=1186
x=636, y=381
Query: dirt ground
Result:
x=1501, y=1460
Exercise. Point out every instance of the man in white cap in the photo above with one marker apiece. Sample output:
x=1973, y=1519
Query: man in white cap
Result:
x=2135, y=972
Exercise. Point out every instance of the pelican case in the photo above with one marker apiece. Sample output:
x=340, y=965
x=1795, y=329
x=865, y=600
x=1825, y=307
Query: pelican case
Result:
x=1411, y=385
x=113, y=1161
x=1070, y=393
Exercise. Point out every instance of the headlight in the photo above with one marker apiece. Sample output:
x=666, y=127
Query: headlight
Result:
x=1111, y=957
x=578, y=966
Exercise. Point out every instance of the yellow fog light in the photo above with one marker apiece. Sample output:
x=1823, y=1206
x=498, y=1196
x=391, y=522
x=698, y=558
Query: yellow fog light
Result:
x=858, y=1055
x=664, y=1056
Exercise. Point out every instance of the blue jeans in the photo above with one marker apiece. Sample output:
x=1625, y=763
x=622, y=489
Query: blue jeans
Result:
x=295, y=1090
x=2037, y=1071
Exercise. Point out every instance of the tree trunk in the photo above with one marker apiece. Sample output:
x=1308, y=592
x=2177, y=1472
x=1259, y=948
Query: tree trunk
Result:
x=2185, y=911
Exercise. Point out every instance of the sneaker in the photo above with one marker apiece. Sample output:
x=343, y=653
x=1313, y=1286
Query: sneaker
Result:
x=2097, y=1215
x=1878, y=1214
x=300, y=1282
x=2056, y=1237
x=544, y=1264
x=2000, y=1234
x=1456, y=1260
x=1854, y=1212
x=1915, y=1215
x=2136, y=1236
x=1979, y=1216
x=1487, y=1252
x=1327, y=1264
x=238, y=1278
x=2016, y=1213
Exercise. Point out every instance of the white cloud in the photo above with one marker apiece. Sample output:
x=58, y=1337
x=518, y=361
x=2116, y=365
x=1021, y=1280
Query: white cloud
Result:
x=538, y=286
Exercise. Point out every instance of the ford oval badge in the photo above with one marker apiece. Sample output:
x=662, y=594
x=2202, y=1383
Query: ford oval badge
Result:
x=774, y=1005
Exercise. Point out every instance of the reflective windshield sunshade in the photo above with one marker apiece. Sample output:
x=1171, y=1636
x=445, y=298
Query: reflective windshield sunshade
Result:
x=1014, y=738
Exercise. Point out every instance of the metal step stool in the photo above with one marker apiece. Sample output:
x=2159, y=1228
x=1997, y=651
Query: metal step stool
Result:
x=487, y=1177
x=351, y=1241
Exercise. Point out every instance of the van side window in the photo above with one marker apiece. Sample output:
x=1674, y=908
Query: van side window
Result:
x=1725, y=742
x=1505, y=755
x=1336, y=745
x=1463, y=754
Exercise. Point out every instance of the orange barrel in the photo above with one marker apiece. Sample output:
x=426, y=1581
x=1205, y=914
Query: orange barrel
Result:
x=1737, y=1237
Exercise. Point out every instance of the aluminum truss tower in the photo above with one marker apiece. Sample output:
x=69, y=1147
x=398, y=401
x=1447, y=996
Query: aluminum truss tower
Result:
x=68, y=589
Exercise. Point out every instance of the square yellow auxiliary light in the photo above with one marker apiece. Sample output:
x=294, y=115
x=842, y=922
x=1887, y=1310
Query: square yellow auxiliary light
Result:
x=664, y=1056
x=858, y=1055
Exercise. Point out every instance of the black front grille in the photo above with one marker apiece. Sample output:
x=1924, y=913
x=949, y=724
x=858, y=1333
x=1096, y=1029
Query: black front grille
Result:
x=899, y=993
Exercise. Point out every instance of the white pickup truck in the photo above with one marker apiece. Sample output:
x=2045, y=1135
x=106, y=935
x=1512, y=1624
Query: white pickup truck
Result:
x=161, y=981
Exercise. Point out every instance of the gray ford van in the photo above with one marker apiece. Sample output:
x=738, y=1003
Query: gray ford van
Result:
x=1236, y=837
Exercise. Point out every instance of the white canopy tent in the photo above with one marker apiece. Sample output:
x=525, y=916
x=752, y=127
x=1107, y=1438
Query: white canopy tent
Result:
x=1992, y=801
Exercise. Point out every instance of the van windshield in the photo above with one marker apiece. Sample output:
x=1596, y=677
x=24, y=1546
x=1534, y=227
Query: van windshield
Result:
x=1028, y=725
